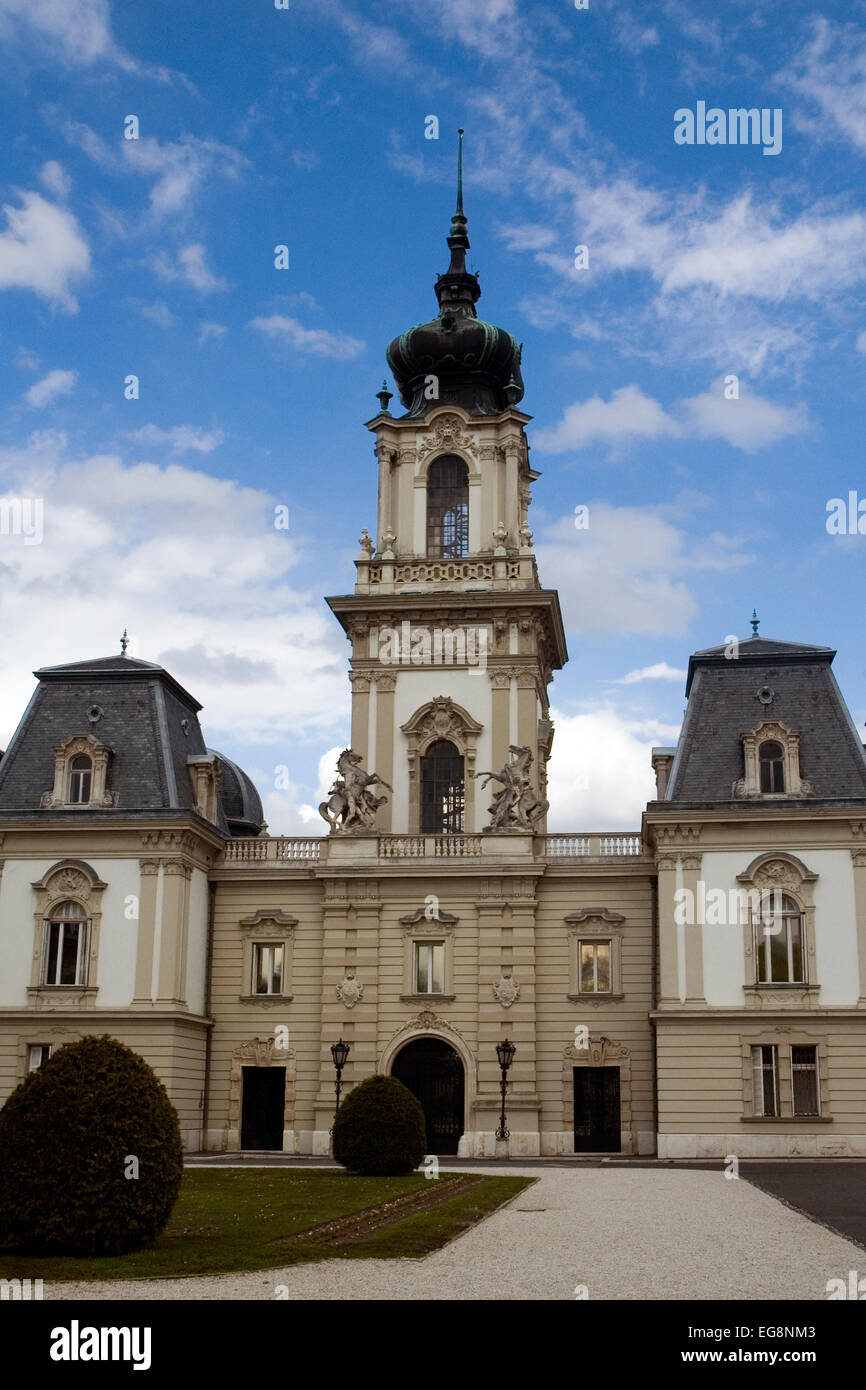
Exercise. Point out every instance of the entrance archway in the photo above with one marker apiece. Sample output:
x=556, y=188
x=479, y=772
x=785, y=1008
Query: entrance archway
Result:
x=433, y=1071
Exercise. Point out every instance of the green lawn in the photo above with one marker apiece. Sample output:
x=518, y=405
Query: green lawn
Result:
x=230, y=1219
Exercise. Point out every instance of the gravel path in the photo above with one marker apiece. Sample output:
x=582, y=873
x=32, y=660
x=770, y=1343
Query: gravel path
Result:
x=640, y=1233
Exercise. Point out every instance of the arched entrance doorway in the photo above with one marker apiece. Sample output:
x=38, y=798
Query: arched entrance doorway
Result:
x=433, y=1072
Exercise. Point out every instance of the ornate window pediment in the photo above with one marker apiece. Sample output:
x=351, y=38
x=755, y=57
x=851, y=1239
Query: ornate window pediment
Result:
x=77, y=785
x=771, y=764
x=441, y=719
x=267, y=956
x=594, y=954
x=66, y=924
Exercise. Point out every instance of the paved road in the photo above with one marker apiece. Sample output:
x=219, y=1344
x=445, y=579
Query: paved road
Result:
x=622, y=1232
x=833, y=1193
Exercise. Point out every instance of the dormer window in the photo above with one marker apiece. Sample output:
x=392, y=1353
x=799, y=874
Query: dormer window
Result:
x=447, y=509
x=771, y=761
x=80, y=778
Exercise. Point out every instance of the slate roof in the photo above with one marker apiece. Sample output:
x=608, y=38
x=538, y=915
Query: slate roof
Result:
x=723, y=705
x=149, y=722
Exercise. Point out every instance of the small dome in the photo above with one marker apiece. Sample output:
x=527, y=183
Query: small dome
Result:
x=240, y=802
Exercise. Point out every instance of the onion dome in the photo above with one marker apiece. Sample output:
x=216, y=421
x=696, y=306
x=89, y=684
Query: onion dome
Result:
x=477, y=365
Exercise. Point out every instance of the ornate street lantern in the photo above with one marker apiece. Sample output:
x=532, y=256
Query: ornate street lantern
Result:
x=339, y=1051
x=505, y=1052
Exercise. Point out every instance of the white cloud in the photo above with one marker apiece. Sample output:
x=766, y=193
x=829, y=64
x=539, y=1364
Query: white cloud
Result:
x=632, y=569
x=318, y=342
x=158, y=312
x=831, y=71
x=76, y=33
x=56, y=383
x=54, y=177
x=191, y=565
x=629, y=414
x=660, y=671
x=189, y=267
x=43, y=250
x=211, y=330
x=861, y=342
x=750, y=422
x=600, y=772
x=182, y=439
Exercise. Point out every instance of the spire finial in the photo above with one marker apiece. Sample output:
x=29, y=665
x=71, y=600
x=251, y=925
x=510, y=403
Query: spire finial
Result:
x=755, y=620
x=460, y=171
x=124, y=643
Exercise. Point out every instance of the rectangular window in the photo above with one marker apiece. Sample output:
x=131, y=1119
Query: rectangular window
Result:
x=779, y=952
x=765, y=1078
x=594, y=967
x=804, y=1080
x=267, y=969
x=64, y=957
x=429, y=967
x=37, y=1053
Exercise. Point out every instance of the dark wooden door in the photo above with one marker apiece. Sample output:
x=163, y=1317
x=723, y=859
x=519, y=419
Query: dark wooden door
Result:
x=264, y=1098
x=596, y=1110
x=433, y=1072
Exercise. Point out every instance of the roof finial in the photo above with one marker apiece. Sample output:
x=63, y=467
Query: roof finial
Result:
x=124, y=643
x=460, y=171
x=755, y=620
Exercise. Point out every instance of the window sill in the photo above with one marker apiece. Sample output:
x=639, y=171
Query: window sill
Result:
x=265, y=998
x=61, y=989
x=595, y=997
x=427, y=998
x=786, y=1119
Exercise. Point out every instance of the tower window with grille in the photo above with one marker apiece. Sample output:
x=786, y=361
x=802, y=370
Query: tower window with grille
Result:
x=771, y=759
x=441, y=789
x=447, y=509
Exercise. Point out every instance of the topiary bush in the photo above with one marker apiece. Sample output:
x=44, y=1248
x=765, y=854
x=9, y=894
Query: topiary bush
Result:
x=379, y=1130
x=67, y=1137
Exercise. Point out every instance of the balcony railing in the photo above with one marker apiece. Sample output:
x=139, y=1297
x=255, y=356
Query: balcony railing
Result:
x=286, y=849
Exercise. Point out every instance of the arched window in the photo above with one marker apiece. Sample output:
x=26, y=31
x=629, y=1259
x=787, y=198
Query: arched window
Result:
x=447, y=509
x=779, y=950
x=441, y=789
x=771, y=760
x=65, y=942
x=80, y=774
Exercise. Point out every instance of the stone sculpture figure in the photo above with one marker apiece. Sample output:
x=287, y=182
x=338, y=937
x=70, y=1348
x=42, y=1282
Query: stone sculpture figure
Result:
x=515, y=806
x=350, y=805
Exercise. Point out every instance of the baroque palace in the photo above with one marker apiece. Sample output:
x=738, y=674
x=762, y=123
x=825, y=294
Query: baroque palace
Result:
x=694, y=989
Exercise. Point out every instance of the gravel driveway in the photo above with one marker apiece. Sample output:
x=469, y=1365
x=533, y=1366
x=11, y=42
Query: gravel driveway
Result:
x=639, y=1233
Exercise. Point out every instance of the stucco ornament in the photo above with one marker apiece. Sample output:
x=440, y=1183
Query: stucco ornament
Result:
x=507, y=991
x=350, y=805
x=349, y=990
x=516, y=806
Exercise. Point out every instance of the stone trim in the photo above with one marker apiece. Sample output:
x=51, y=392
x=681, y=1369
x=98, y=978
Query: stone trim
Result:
x=69, y=880
x=594, y=924
x=267, y=926
x=260, y=1052
x=784, y=1039
x=748, y=787
x=777, y=869
x=442, y=718
x=98, y=753
x=602, y=1052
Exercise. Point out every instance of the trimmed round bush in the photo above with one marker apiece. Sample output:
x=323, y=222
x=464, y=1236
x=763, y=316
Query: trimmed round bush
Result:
x=380, y=1130
x=68, y=1137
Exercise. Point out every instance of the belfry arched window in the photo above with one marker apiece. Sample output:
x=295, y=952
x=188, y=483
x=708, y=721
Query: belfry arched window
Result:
x=441, y=789
x=771, y=760
x=447, y=509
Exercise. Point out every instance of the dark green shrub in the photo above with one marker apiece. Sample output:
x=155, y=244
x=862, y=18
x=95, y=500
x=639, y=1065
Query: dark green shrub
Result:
x=380, y=1129
x=66, y=1137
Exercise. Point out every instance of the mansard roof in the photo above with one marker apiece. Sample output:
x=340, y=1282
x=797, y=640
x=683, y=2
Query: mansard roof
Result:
x=729, y=695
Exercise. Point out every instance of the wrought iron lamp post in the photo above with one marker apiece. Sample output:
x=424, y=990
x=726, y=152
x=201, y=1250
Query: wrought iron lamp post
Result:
x=505, y=1052
x=339, y=1051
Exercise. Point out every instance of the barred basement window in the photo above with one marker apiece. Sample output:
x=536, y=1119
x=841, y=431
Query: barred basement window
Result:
x=765, y=1079
x=447, y=509
x=65, y=941
x=37, y=1053
x=594, y=967
x=267, y=969
x=80, y=776
x=429, y=967
x=804, y=1080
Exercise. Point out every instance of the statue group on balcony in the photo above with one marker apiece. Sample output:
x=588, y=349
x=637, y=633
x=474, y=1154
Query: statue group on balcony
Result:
x=515, y=806
x=351, y=805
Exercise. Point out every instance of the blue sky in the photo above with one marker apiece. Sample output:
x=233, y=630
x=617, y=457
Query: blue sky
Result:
x=306, y=127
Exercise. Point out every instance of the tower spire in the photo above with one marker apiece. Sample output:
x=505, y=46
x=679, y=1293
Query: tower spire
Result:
x=460, y=171
x=457, y=290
